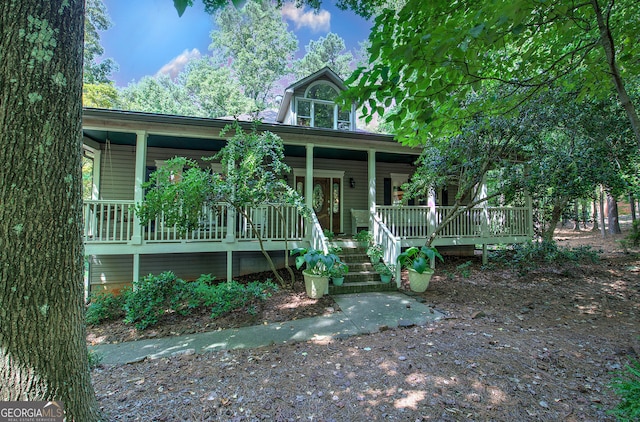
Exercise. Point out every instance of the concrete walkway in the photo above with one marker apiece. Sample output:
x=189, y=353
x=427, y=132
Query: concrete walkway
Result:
x=359, y=313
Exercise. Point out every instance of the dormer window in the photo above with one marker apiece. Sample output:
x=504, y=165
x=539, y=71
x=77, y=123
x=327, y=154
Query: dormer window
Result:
x=318, y=108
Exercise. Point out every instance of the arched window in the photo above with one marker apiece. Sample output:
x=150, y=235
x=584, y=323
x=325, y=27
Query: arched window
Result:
x=318, y=108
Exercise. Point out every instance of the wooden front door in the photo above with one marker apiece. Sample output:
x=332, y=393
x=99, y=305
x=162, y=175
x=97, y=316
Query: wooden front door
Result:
x=326, y=197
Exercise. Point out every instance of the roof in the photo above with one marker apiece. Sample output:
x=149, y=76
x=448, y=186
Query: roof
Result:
x=288, y=92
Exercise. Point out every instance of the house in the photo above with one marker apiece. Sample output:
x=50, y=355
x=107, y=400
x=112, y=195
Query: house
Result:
x=349, y=178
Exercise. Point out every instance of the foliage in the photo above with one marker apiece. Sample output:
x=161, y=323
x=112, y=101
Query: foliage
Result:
x=364, y=236
x=94, y=359
x=103, y=95
x=634, y=236
x=627, y=386
x=462, y=269
x=338, y=270
x=325, y=52
x=213, y=89
x=157, y=94
x=328, y=234
x=316, y=262
x=375, y=253
x=384, y=269
x=226, y=297
x=419, y=259
x=96, y=19
x=528, y=256
x=152, y=297
x=253, y=166
x=256, y=40
x=105, y=306
x=429, y=56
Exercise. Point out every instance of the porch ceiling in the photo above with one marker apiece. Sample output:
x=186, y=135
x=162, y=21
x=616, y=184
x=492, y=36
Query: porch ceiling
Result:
x=162, y=141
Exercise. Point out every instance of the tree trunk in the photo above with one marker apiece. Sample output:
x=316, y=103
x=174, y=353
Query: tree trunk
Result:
x=595, y=215
x=610, y=53
x=576, y=216
x=556, y=215
x=612, y=215
x=632, y=202
x=43, y=354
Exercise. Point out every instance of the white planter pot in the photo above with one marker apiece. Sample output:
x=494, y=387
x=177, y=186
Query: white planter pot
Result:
x=315, y=285
x=419, y=282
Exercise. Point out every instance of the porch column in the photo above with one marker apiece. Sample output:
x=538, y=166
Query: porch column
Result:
x=308, y=184
x=136, y=268
x=138, y=192
x=372, y=185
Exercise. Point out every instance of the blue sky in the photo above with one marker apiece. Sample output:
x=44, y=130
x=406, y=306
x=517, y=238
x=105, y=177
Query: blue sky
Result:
x=148, y=35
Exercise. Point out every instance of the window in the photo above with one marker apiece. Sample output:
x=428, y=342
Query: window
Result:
x=318, y=108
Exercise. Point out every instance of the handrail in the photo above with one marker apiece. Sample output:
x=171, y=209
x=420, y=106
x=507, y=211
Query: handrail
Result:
x=318, y=240
x=391, y=244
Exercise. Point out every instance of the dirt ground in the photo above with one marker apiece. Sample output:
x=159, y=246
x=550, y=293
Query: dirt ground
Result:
x=538, y=347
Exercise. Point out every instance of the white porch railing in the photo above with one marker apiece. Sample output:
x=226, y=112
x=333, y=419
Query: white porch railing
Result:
x=318, y=241
x=113, y=222
x=108, y=221
x=416, y=222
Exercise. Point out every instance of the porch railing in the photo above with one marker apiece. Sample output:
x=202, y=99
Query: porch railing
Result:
x=113, y=222
x=382, y=235
x=415, y=222
x=108, y=221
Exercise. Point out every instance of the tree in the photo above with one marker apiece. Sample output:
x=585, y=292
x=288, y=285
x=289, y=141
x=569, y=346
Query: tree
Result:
x=253, y=177
x=256, y=40
x=431, y=55
x=99, y=95
x=214, y=91
x=158, y=94
x=43, y=354
x=327, y=51
x=96, y=19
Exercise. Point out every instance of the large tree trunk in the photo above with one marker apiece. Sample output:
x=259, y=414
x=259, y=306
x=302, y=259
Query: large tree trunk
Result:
x=595, y=215
x=612, y=216
x=43, y=355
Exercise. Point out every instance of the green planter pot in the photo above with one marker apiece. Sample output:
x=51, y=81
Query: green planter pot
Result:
x=385, y=278
x=315, y=285
x=337, y=281
x=419, y=282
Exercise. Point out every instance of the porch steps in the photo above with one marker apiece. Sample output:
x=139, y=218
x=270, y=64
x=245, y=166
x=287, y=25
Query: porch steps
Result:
x=361, y=277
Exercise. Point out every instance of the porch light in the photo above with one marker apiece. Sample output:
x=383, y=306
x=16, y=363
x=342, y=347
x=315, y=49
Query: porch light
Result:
x=352, y=182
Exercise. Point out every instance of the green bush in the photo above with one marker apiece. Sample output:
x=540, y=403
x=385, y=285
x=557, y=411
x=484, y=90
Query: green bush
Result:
x=105, y=306
x=627, y=386
x=634, y=237
x=153, y=296
x=524, y=257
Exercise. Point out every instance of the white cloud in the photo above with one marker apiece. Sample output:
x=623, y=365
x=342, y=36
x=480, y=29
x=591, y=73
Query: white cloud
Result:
x=175, y=66
x=316, y=22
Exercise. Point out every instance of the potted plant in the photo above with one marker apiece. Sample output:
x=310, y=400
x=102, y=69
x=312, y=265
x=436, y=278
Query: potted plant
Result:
x=337, y=273
x=375, y=253
x=317, y=269
x=418, y=262
x=385, y=271
x=364, y=238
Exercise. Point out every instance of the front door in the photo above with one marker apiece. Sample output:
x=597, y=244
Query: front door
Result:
x=325, y=200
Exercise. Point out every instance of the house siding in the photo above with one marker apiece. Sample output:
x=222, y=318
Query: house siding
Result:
x=117, y=172
x=110, y=272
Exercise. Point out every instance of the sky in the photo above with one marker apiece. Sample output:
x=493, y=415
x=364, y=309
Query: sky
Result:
x=147, y=36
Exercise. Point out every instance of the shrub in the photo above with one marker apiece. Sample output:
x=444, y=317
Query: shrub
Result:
x=226, y=297
x=634, y=237
x=627, y=386
x=152, y=297
x=105, y=306
x=528, y=256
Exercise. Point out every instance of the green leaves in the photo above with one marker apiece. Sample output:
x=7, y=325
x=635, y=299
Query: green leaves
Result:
x=181, y=5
